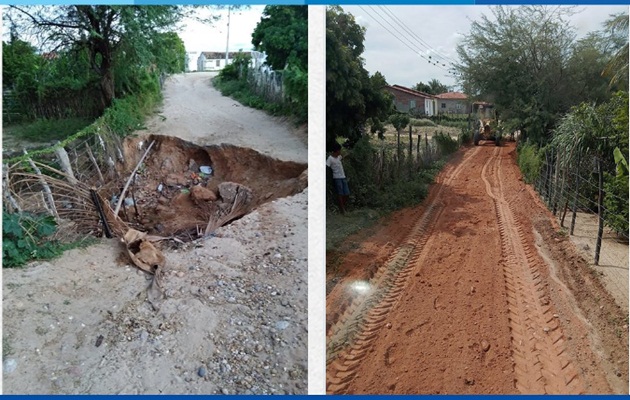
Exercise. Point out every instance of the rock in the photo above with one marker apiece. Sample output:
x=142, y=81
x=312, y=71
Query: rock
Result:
x=175, y=180
x=9, y=365
x=225, y=391
x=282, y=325
x=469, y=381
x=485, y=346
x=180, y=274
x=388, y=325
x=193, y=166
x=202, y=371
x=167, y=166
x=200, y=193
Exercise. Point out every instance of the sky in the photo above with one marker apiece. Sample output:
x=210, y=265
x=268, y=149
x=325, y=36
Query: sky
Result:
x=434, y=32
x=200, y=37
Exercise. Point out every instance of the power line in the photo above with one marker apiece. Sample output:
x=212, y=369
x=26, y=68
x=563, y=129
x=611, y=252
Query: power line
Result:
x=415, y=35
x=415, y=50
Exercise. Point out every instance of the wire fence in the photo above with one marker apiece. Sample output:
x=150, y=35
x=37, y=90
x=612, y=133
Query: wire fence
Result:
x=71, y=181
x=579, y=194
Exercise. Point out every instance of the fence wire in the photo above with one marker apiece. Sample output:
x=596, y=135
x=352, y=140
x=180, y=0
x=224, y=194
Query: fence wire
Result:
x=575, y=192
x=70, y=182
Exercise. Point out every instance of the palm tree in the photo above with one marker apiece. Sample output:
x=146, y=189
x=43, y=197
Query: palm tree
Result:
x=617, y=68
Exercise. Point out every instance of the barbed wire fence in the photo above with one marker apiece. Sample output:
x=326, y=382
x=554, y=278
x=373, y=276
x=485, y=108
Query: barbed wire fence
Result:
x=575, y=192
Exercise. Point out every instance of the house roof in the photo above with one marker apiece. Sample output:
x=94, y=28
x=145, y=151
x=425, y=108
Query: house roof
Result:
x=220, y=55
x=411, y=91
x=452, y=96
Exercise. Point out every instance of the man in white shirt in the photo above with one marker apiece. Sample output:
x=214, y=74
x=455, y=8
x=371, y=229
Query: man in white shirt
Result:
x=339, y=176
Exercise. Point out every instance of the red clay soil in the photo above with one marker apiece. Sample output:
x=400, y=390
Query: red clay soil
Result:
x=474, y=291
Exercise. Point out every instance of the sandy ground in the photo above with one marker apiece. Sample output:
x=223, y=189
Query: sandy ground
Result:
x=235, y=316
x=476, y=291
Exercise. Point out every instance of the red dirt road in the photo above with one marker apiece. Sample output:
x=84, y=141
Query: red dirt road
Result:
x=474, y=291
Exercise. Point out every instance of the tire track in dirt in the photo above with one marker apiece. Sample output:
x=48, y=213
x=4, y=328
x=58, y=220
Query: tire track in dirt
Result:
x=350, y=337
x=540, y=363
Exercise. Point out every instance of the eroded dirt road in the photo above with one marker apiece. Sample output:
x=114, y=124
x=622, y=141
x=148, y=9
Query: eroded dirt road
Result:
x=234, y=317
x=475, y=291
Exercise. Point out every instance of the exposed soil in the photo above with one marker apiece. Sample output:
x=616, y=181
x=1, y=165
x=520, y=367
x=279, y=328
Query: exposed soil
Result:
x=171, y=196
x=234, y=315
x=475, y=291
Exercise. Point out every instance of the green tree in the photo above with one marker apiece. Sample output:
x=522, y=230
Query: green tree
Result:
x=282, y=34
x=433, y=87
x=617, y=68
x=18, y=60
x=352, y=96
x=102, y=31
x=518, y=60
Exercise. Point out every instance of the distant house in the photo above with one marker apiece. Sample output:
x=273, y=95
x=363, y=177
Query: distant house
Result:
x=215, y=60
x=453, y=103
x=483, y=109
x=412, y=101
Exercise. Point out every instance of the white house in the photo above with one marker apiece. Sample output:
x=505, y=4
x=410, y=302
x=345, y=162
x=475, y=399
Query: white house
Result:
x=215, y=60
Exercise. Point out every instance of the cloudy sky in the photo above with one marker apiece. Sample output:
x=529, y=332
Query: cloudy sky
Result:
x=200, y=37
x=434, y=32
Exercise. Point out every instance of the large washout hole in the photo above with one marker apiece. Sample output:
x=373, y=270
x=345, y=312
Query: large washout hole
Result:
x=185, y=190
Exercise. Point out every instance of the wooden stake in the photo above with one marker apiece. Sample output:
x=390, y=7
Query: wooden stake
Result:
x=133, y=173
x=93, y=159
x=64, y=160
x=49, y=196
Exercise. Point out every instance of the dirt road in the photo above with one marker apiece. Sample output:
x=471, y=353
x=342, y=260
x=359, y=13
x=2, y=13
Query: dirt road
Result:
x=234, y=320
x=476, y=291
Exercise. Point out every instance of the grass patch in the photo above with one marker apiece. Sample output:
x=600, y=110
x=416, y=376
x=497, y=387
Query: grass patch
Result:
x=340, y=226
x=46, y=130
x=7, y=348
x=239, y=90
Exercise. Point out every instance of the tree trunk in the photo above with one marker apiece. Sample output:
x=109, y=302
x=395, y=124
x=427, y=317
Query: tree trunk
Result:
x=107, y=87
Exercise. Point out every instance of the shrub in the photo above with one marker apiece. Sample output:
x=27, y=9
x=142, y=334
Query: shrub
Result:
x=530, y=162
x=26, y=237
x=445, y=143
x=422, y=122
x=616, y=203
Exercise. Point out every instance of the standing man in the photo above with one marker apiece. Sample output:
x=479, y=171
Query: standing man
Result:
x=339, y=176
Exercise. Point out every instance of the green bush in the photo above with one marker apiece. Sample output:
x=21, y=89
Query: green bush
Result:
x=466, y=136
x=422, y=122
x=445, y=143
x=26, y=237
x=616, y=203
x=530, y=162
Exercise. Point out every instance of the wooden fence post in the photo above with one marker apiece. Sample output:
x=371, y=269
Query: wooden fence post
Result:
x=575, y=196
x=600, y=210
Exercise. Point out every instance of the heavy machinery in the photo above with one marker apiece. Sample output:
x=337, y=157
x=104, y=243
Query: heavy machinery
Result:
x=485, y=132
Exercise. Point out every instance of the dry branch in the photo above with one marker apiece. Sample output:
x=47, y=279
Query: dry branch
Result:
x=133, y=173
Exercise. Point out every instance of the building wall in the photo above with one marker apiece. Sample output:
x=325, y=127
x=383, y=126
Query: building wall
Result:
x=405, y=101
x=451, y=106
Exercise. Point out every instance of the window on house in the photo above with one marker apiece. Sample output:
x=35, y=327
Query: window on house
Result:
x=443, y=105
x=412, y=104
x=458, y=106
x=218, y=63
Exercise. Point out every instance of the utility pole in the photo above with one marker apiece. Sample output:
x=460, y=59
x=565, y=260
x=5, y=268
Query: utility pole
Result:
x=227, y=44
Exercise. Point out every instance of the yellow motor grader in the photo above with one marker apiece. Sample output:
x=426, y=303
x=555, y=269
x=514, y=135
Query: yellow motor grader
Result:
x=485, y=132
